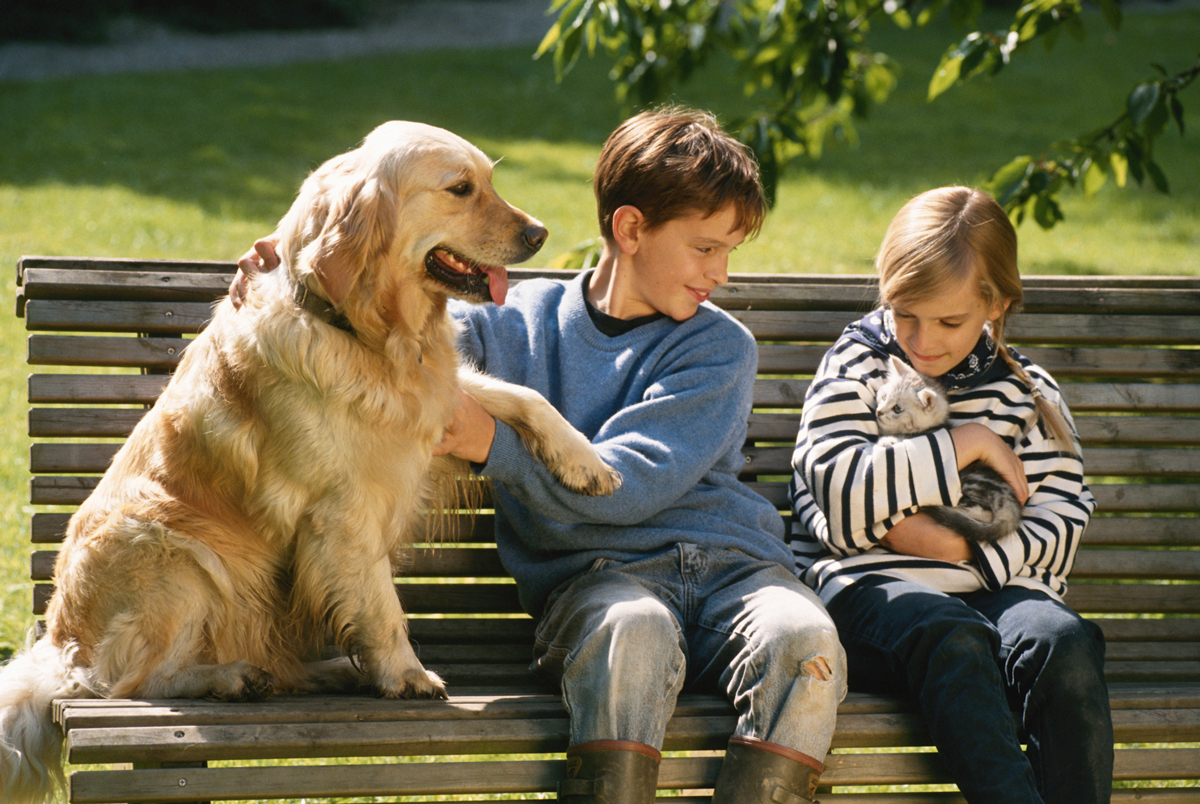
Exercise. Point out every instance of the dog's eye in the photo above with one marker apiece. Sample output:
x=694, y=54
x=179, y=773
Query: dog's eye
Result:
x=463, y=188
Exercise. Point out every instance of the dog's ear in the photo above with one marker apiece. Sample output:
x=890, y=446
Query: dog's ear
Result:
x=358, y=227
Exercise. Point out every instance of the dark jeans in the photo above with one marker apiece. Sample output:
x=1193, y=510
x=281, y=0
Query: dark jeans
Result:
x=985, y=669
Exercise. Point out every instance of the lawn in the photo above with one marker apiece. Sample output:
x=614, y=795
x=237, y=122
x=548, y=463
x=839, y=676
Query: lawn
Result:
x=196, y=165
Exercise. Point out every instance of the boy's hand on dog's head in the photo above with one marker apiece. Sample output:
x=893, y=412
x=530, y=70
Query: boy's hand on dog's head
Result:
x=263, y=257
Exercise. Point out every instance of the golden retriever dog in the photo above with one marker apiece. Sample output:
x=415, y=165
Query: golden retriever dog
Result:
x=253, y=516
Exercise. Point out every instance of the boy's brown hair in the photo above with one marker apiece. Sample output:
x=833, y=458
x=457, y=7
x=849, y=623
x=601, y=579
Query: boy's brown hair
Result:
x=675, y=162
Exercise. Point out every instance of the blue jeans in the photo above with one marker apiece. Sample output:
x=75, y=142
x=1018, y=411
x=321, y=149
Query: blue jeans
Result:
x=623, y=640
x=986, y=668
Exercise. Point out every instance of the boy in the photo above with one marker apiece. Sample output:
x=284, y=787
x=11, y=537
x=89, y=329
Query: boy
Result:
x=680, y=580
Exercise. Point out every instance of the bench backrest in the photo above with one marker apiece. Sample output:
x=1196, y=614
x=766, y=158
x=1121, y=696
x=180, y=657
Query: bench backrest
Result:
x=105, y=334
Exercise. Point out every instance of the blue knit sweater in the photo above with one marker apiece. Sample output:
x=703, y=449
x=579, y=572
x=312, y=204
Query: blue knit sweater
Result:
x=665, y=404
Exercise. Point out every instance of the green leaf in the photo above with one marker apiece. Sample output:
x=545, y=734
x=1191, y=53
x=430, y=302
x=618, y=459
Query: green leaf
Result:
x=1094, y=178
x=1111, y=9
x=946, y=74
x=1158, y=177
x=1047, y=212
x=1120, y=167
x=1142, y=101
x=1177, y=113
x=1007, y=182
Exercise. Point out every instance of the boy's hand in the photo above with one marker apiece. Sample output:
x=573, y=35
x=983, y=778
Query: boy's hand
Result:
x=470, y=433
x=260, y=259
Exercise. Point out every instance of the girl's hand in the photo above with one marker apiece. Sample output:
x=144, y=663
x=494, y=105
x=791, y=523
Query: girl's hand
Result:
x=260, y=259
x=976, y=442
x=470, y=433
x=918, y=535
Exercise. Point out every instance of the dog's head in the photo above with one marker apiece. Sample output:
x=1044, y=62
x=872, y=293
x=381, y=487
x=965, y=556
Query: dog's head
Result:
x=411, y=212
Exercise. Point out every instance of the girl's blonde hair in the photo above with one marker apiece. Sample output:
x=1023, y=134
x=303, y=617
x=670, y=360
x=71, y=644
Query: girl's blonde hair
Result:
x=951, y=235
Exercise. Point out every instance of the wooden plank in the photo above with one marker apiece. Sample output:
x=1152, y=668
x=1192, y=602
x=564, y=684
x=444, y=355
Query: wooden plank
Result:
x=418, y=598
x=430, y=735
x=542, y=775
x=28, y=262
x=1151, y=463
x=115, y=351
x=93, y=315
x=101, y=389
x=67, y=490
x=1063, y=363
x=123, y=285
x=1139, y=564
x=1155, y=628
x=1084, y=330
x=49, y=528
x=1143, y=531
x=1141, y=598
x=471, y=564
x=73, y=458
x=1110, y=497
x=1132, y=397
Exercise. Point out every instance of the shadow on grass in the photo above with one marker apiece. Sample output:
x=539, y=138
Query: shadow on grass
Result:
x=238, y=142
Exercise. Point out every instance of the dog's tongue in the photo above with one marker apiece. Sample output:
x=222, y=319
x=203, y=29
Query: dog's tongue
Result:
x=497, y=282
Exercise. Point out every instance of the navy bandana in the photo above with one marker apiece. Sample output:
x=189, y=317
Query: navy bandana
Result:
x=878, y=331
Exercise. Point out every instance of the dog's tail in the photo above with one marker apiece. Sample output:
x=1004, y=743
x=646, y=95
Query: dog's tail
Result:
x=31, y=769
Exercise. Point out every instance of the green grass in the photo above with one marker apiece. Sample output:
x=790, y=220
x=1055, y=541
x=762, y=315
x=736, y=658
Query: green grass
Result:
x=196, y=165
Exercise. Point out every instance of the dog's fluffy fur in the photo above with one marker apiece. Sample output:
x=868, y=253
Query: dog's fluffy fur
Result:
x=253, y=516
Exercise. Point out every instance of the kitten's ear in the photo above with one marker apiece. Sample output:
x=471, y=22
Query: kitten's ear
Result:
x=928, y=398
x=899, y=367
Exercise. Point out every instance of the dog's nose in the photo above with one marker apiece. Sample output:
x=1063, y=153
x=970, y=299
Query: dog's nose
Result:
x=535, y=236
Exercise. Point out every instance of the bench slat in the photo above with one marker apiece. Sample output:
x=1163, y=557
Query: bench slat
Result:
x=115, y=351
x=1081, y=397
x=429, y=734
x=1063, y=363
x=485, y=563
x=1089, y=330
x=542, y=775
x=114, y=316
x=1155, y=463
x=101, y=389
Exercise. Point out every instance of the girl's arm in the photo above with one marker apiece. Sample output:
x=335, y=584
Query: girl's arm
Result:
x=862, y=488
x=1058, y=509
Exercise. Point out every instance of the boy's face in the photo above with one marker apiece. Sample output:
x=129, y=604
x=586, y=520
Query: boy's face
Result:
x=677, y=265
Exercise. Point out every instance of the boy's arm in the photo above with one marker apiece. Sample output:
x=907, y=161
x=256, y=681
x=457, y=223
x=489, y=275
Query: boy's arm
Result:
x=690, y=418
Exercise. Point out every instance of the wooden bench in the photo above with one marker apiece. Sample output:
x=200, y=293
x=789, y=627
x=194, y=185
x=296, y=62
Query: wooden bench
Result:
x=104, y=335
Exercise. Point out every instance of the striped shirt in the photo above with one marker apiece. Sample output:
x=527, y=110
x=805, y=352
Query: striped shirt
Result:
x=847, y=492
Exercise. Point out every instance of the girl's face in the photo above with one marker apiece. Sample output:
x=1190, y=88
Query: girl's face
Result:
x=938, y=333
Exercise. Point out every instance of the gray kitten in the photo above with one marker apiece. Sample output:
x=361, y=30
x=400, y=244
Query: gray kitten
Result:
x=909, y=403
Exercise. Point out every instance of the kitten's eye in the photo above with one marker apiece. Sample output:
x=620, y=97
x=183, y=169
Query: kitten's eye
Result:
x=897, y=409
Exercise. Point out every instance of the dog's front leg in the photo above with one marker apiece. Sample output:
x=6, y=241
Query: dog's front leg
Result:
x=346, y=575
x=565, y=451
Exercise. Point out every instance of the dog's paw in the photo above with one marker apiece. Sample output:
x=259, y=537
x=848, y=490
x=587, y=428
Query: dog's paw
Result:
x=601, y=481
x=416, y=683
x=240, y=682
x=579, y=468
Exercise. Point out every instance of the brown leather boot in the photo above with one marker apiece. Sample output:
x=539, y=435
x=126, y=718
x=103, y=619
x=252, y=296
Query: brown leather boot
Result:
x=610, y=772
x=758, y=772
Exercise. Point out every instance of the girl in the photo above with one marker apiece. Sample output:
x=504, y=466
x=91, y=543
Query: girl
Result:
x=976, y=634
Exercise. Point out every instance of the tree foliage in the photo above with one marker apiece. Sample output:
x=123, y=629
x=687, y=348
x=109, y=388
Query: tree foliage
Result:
x=809, y=72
